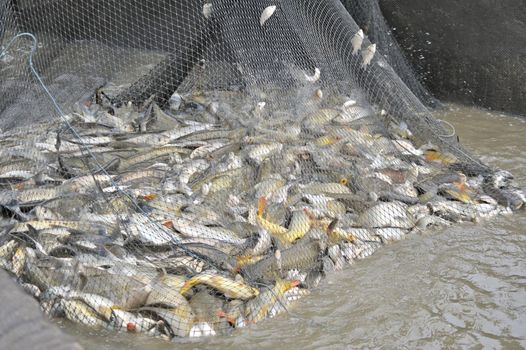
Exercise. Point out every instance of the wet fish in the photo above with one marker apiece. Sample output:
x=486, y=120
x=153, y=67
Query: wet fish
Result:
x=267, y=303
x=152, y=154
x=191, y=229
x=386, y=214
x=302, y=255
x=313, y=78
x=79, y=312
x=230, y=288
x=368, y=54
x=179, y=320
x=357, y=41
x=266, y=14
x=47, y=224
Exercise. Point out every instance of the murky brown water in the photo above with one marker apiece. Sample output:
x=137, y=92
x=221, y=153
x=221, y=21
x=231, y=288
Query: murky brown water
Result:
x=461, y=287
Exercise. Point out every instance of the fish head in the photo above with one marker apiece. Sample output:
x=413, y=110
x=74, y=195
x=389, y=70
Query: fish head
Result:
x=229, y=317
x=310, y=214
x=360, y=33
x=284, y=285
x=294, y=283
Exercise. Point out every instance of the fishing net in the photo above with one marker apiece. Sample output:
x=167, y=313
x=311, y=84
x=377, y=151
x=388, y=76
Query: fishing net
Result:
x=368, y=15
x=188, y=168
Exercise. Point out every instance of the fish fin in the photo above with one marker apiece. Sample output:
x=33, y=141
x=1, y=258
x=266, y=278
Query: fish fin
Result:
x=168, y=224
x=262, y=203
x=131, y=327
x=332, y=226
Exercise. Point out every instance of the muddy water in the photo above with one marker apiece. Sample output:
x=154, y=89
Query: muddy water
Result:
x=460, y=287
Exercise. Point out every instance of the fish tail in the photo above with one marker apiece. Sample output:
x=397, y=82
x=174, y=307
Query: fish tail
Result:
x=262, y=203
x=187, y=285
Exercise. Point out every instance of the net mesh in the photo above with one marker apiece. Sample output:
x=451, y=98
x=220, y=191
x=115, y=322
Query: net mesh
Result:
x=368, y=15
x=187, y=168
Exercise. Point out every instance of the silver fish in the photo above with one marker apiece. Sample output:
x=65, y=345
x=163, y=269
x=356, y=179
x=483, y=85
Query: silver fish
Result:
x=266, y=14
x=357, y=41
x=368, y=55
x=207, y=10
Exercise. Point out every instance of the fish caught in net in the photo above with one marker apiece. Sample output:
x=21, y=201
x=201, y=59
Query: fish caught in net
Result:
x=183, y=169
x=368, y=15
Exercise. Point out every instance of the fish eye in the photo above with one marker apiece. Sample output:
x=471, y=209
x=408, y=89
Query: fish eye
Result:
x=344, y=181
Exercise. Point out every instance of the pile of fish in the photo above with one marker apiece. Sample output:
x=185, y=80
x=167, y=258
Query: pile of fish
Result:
x=219, y=211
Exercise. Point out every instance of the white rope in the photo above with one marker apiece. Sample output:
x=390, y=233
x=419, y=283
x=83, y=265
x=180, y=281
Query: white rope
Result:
x=451, y=126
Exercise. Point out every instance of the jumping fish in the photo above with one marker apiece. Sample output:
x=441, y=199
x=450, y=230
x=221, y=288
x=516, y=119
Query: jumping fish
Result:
x=357, y=41
x=207, y=10
x=368, y=55
x=266, y=14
